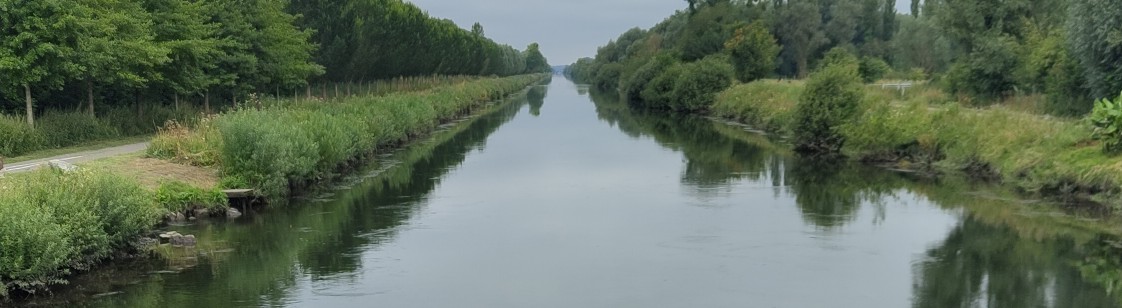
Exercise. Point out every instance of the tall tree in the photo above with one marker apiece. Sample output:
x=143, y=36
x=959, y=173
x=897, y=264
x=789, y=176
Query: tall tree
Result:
x=1095, y=35
x=38, y=44
x=184, y=29
x=118, y=47
x=799, y=29
x=535, y=61
x=754, y=51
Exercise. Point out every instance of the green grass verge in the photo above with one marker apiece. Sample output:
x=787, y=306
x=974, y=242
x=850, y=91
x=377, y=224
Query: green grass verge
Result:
x=1036, y=153
x=287, y=145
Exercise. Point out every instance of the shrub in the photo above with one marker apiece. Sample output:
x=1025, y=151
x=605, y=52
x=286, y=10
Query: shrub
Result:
x=51, y=221
x=62, y=129
x=873, y=69
x=1107, y=120
x=635, y=84
x=700, y=82
x=754, y=52
x=17, y=138
x=838, y=56
x=179, y=197
x=832, y=97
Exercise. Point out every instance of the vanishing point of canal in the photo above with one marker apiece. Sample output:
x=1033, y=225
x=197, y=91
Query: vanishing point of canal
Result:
x=566, y=198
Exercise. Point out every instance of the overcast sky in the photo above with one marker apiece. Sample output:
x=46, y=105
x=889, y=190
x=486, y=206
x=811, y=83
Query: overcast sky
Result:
x=567, y=29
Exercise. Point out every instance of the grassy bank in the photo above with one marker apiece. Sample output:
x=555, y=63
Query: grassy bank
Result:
x=52, y=223
x=1036, y=153
x=287, y=145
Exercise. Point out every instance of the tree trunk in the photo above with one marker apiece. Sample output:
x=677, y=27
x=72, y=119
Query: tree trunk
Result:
x=336, y=89
x=206, y=101
x=309, y=91
x=30, y=109
x=323, y=87
x=139, y=106
x=176, y=101
x=89, y=95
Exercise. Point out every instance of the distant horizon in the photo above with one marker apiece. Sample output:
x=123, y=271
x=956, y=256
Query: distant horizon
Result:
x=567, y=30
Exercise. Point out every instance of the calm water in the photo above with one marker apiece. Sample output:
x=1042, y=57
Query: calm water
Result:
x=564, y=198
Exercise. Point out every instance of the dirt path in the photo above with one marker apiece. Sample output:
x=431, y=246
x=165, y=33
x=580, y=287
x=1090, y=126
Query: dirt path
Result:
x=76, y=157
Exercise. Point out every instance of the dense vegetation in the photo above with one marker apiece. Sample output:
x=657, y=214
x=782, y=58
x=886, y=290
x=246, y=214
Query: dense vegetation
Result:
x=980, y=51
x=51, y=223
x=286, y=145
x=136, y=64
x=378, y=39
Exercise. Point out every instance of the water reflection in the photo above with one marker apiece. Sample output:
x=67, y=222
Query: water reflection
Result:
x=1000, y=254
x=556, y=214
x=322, y=241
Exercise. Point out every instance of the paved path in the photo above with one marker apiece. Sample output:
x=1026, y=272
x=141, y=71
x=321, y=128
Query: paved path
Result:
x=76, y=157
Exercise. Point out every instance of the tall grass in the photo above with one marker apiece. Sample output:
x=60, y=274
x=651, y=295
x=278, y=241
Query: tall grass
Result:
x=51, y=222
x=55, y=129
x=769, y=104
x=286, y=145
x=1032, y=151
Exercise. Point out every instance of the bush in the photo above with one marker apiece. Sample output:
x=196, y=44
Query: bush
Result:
x=16, y=138
x=178, y=197
x=700, y=82
x=1107, y=120
x=754, y=52
x=873, y=69
x=833, y=96
x=689, y=87
x=51, y=221
x=838, y=56
x=635, y=84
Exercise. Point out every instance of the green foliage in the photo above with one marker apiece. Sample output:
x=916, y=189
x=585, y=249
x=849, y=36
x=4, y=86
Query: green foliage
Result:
x=839, y=56
x=633, y=87
x=873, y=69
x=686, y=87
x=62, y=129
x=284, y=147
x=1107, y=120
x=52, y=221
x=767, y=104
x=535, y=61
x=1093, y=29
x=832, y=97
x=988, y=71
x=379, y=39
x=178, y=197
x=699, y=83
x=754, y=52
x=582, y=71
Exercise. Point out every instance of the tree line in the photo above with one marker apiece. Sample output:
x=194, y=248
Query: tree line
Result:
x=377, y=39
x=77, y=55
x=981, y=50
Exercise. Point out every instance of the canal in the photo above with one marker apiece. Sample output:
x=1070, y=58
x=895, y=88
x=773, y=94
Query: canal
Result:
x=566, y=198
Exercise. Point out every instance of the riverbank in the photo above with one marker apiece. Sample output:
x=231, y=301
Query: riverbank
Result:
x=51, y=230
x=1038, y=154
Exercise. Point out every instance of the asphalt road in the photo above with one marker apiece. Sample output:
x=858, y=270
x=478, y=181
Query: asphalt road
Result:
x=76, y=157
